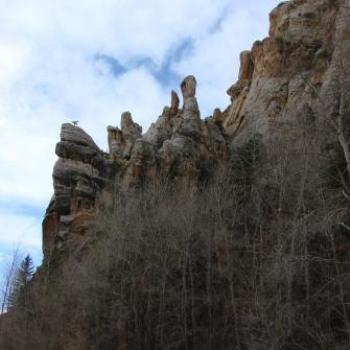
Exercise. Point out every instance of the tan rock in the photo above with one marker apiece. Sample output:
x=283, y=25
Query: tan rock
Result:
x=79, y=176
x=188, y=87
x=131, y=130
x=286, y=69
x=288, y=87
x=115, y=141
x=174, y=104
x=121, y=141
x=190, y=107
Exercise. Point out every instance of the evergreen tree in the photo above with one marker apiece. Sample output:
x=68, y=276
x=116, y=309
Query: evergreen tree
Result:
x=25, y=272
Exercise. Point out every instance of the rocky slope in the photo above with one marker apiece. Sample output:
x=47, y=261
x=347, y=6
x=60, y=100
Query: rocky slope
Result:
x=292, y=91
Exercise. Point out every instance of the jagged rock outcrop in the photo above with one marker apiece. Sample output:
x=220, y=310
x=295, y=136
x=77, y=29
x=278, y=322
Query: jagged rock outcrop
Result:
x=292, y=70
x=174, y=104
x=188, y=89
x=120, y=141
x=79, y=175
x=178, y=146
x=288, y=91
x=177, y=142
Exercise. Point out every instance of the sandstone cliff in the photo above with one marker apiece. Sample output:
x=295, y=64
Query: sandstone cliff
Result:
x=293, y=72
x=291, y=89
x=179, y=146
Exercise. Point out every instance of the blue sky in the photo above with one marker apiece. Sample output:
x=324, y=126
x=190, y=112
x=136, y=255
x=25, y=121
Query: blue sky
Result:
x=91, y=60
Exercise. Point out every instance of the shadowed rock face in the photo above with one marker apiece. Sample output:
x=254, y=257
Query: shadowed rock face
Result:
x=287, y=88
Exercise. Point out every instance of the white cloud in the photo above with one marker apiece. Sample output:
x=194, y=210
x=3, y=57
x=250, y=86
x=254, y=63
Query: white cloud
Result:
x=48, y=75
x=20, y=230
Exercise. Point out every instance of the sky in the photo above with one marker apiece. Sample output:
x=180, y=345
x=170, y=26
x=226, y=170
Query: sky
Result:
x=91, y=60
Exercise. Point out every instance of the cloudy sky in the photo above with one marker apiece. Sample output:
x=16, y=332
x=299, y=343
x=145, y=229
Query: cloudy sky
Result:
x=90, y=60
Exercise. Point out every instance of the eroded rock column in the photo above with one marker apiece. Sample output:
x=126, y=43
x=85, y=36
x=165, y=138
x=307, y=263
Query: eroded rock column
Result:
x=190, y=107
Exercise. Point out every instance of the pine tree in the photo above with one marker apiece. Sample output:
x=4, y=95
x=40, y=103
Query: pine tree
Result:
x=19, y=293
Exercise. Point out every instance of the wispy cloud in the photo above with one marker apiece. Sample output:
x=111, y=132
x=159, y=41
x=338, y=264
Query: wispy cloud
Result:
x=23, y=230
x=21, y=233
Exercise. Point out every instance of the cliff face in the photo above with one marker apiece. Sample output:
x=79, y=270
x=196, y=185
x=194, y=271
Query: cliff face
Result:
x=291, y=90
x=179, y=146
x=79, y=175
x=292, y=71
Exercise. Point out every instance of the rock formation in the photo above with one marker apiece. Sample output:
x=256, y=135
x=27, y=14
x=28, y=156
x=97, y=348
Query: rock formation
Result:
x=293, y=69
x=120, y=141
x=179, y=145
x=287, y=91
x=78, y=177
x=174, y=104
x=188, y=89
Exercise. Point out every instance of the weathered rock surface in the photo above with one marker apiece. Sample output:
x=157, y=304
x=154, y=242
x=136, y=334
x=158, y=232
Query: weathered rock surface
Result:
x=120, y=141
x=291, y=70
x=288, y=89
x=79, y=175
x=179, y=145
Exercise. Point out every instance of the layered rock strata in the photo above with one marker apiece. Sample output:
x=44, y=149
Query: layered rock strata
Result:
x=78, y=177
x=178, y=145
x=293, y=70
x=291, y=89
